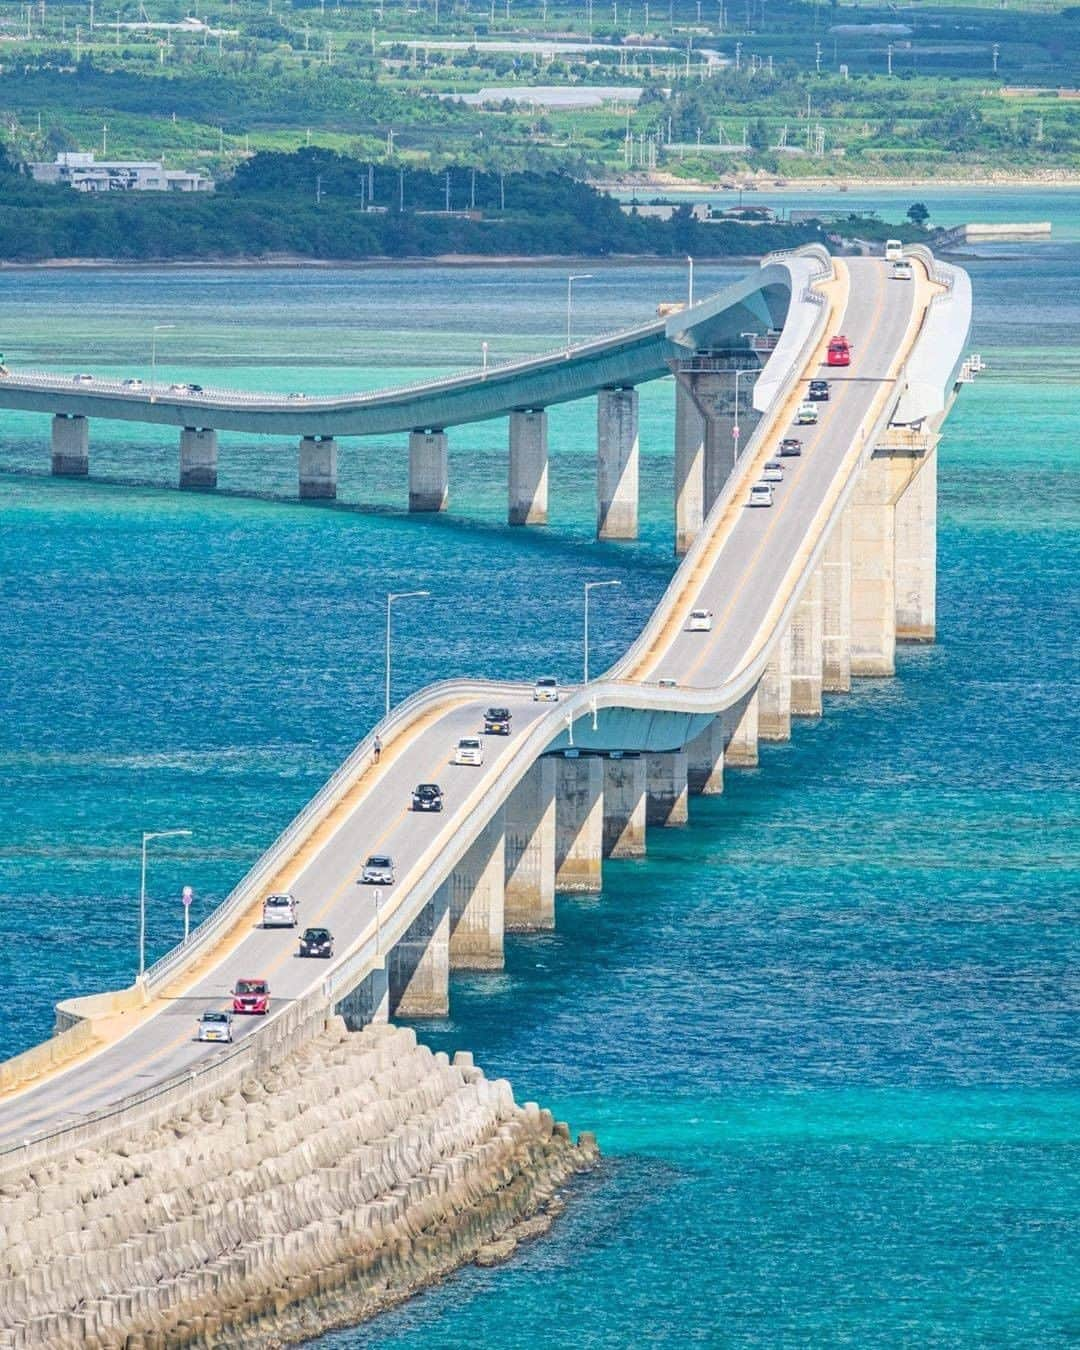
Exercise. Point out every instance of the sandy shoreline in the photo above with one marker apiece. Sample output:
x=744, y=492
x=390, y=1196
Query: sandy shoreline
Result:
x=767, y=183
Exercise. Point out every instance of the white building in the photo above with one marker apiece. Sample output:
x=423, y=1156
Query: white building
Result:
x=79, y=170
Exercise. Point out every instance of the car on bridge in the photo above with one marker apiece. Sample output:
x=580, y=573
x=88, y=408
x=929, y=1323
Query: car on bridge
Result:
x=469, y=751
x=546, y=690
x=894, y=250
x=760, y=495
x=839, y=353
x=132, y=384
x=497, y=722
x=214, y=1026
x=427, y=797
x=818, y=391
x=700, y=621
x=82, y=379
x=280, y=911
x=772, y=472
x=901, y=271
x=806, y=416
x=790, y=446
x=316, y=942
x=251, y=996
x=378, y=871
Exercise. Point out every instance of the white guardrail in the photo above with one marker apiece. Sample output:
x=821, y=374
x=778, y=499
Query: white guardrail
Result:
x=610, y=690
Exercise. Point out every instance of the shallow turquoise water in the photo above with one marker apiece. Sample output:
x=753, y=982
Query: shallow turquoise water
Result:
x=826, y=1034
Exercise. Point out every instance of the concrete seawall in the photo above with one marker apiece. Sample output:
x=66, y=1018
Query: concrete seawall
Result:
x=337, y=1181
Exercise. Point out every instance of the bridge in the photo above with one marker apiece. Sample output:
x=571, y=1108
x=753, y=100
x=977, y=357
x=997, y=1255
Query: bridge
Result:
x=805, y=596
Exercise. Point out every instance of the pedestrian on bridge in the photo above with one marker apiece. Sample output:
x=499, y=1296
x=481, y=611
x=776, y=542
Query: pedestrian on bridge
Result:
x=377, y=750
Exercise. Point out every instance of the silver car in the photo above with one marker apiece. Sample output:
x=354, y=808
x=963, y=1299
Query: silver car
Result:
x=279, y=911
x=546, y=690
x=214, y=1026
x=378, y=871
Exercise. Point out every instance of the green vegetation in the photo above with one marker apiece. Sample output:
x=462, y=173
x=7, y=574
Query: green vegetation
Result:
x=318, y=204
x=953, y=89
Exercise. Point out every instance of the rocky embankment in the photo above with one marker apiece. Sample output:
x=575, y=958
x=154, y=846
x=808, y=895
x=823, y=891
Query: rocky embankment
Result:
x=354, y=1172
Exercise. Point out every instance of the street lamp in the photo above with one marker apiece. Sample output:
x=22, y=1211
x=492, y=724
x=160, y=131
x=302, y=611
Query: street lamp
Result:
x=690, y=283
x=147, y=836
x=376, y=896
x=483, y=358
x=735, y=425
x=157, y=328
x=400, y=595
x=592, y=586
x=577, y=276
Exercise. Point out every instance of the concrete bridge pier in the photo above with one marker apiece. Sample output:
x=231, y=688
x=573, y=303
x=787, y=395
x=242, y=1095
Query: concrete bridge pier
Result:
x=368, y=1002
x=579, y=823
x=689, y=468
x=774, y=693
x=476, y=892
x=617, y=464
x=705, y=760
x=70, y=446
x=624, y=806
x=741, y=734
x=807, y=649
x=429, y=470
x=419, y=965
x=666, y=789
x=318, y=468
x=529, y=850
x=836, y=607
x=198, y=458
x=528, y=488
x=916, y=555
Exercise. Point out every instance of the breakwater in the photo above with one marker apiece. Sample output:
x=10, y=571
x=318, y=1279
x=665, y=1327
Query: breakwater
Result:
x=337, y=1180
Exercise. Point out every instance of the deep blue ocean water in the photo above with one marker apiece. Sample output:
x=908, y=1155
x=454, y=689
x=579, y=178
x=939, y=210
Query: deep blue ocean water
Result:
x=826, y=1034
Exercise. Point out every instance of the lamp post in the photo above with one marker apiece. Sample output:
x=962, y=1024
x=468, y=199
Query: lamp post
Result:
x=690, y=283
x=592, y=586
x=577, y=276
x=735, y=425
x=483, y=358
x=147, y=836
x=377, y=898
x=157, y=328
x=400, y=595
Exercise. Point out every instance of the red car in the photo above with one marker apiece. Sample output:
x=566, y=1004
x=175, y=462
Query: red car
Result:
x=251, y=996
x=839, y=352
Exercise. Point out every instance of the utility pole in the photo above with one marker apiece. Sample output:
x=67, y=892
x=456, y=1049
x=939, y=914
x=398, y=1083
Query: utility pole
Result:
x=448, y=192
x=817, y=57
x=401, y=189
x=318, y=189
x=994, y=52
x=888, y=54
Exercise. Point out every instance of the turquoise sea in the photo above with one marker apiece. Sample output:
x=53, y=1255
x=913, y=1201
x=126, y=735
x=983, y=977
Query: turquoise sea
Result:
x=827, y=1034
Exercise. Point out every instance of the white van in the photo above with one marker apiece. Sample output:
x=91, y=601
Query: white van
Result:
x=894, y=250
x=279, y=911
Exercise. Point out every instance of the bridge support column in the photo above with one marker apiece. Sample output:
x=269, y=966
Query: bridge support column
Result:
x=624, y=807
x=741, y=732
x=528, y=504
x=419, y=965
x=705, y=760
x=806, y=650
x=916, y=556
x=477, y=888
x=429, y=471
x=617, y=464
x=368, y=1002
x=836, y=608
x=198, y=458
x=689, y=469
x=873, y=569
x=579, y=823
x=70, y=446
x=529, y=817
x=666, y=796
x=709, y=381
x=318, y=468
x=774, y=693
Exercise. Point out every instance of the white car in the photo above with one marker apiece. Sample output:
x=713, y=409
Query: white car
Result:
x=279, y=911
x=894, y=250
x=901, y=271
x=469, y=751
x=760, y=495
x=772, y=472
x=214, y=1026
x=133, y=384
x=378, y=871
x=546, y=690
x=807, y=415
x=82, y=379
x=700, y=621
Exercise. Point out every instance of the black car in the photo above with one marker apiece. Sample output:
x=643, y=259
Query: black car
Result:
x=427, y=797
x=316, y=942
x=819, y=391
x=790, y=445
x=497, y=722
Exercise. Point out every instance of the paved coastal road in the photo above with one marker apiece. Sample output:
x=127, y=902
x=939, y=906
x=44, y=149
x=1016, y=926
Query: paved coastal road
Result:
x=740, y=587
